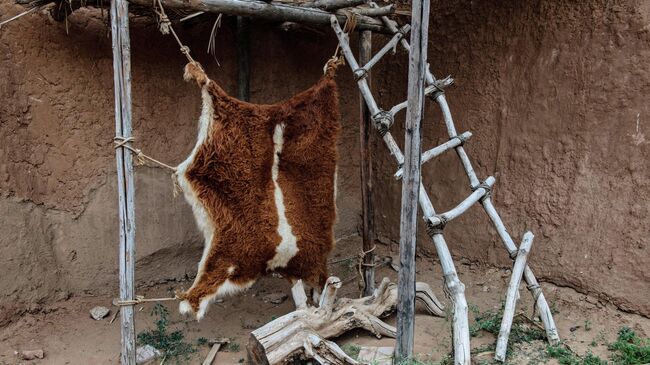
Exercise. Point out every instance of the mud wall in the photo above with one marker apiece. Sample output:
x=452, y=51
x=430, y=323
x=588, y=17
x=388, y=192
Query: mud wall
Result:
x=58, y=222
x=551, y=90
x=556, y=94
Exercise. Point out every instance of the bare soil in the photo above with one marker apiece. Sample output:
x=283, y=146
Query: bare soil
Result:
x=67, y=334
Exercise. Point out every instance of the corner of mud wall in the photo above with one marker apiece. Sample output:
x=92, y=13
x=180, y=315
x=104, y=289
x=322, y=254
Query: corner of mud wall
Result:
x=58, y=200
x=556, y=96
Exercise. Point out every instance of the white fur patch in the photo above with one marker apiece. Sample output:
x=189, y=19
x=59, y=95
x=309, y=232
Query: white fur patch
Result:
x=227, y=288
x=203, y=220
x=288, y=247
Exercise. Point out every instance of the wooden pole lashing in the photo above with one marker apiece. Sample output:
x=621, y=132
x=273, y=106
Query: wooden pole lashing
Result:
x=411, y=180
x=367, y=207
x=512, y=296
x=125, y=178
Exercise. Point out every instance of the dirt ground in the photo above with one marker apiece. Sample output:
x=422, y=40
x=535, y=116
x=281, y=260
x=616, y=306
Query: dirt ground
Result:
x=67, y=334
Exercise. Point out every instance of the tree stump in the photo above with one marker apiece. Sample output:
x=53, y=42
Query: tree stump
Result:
x=303, y=333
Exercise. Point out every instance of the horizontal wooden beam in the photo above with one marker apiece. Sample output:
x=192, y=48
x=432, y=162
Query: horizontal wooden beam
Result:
x=269, y=11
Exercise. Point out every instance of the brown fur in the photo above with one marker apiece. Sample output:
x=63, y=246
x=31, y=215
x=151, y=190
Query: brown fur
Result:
x=231, y=175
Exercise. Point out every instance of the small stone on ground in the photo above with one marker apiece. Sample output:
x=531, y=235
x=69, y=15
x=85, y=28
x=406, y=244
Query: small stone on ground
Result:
x=31, y=354
x=146, y=353
x=99, y=312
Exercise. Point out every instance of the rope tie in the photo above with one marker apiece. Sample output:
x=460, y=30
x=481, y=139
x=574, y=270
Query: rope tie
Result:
x=337, y=58
x=513, y=254
x=360, y=74
x=361, y=265
x=483, y=185
x=461, y=139
x=141, y=158
x=434, y=229
x=383, y=120
x=139, y=299
x=165, y=27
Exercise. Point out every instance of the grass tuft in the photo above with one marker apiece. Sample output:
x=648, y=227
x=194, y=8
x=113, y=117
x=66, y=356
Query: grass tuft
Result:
x=630, y=349
x=172, y=345
x=352, y=350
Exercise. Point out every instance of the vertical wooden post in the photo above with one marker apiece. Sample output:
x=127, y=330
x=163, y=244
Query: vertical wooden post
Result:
x=125, y=181
x=411, y=180
x=243, y=58
x=367, y=208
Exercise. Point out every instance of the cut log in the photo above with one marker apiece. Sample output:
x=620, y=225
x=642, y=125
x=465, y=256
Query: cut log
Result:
x=302, y=334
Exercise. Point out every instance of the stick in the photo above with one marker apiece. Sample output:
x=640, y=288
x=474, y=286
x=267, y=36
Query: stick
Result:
x=367, y=208
x=26, y=12
x=212, y=354
x=511, y=297
x=439, y=150
x=411, y=182
x=461, y=208
x=125, y=180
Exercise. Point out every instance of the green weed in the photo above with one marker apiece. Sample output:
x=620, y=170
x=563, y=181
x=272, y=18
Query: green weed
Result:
x=352, y=350
x=232, y=347
x=171, y=344
x=630, y=349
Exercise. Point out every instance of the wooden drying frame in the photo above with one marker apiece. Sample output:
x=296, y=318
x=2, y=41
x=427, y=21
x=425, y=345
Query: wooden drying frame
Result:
x=324, y=12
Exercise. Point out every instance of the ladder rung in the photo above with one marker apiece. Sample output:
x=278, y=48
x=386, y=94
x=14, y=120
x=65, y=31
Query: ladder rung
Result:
x=363, y=71
x=461, y=208
x=439, y=85
x=439, y=150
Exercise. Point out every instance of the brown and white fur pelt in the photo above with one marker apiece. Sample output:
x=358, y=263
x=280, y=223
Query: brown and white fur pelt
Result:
x=261, y=183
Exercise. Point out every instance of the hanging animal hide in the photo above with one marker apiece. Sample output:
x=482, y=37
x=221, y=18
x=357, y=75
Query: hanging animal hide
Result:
x=261, y=183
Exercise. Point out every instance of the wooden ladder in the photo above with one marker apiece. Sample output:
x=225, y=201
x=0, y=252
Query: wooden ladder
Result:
x=435, y=222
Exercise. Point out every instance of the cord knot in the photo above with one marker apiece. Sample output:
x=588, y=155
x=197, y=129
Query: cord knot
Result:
x=483, y=185
x=383, y=120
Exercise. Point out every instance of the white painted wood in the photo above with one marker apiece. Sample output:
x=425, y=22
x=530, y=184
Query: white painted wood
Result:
x=541, y=305
x=439, y=150
x=125, y=178
x=461, y=208
x=512, y=295
x=455, y=288
x=429, y=90
x=389, y=46
x=344, y=43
